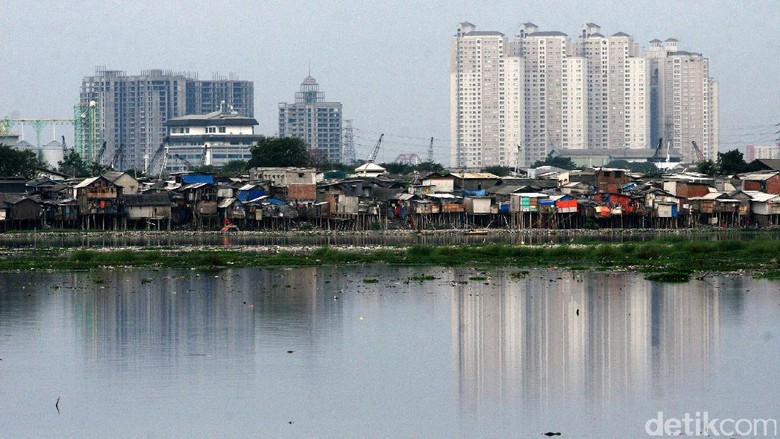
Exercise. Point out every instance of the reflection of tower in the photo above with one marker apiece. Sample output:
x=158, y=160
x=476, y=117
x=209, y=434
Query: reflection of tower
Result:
x=688, y=319
x=86, y=121
x=603, y=341
x=296, y=306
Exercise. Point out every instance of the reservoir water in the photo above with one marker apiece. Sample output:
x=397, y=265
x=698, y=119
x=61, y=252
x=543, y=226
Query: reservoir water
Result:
x=380, y=352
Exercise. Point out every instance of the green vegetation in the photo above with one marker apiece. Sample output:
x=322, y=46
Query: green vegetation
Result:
x=661, y=259
x=422, y=277
x=17, y=163
x=280, y=152
x=731, y=162
x=556, y=161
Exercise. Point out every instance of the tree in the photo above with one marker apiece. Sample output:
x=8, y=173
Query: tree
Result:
x=731, y=162
x=397, y=168
x=428, y=167
x=233, y=168
x=501, y=171
x=17, y=163
x=556, y=161
x=73, y=165
x=279, y=152
x=707, y=167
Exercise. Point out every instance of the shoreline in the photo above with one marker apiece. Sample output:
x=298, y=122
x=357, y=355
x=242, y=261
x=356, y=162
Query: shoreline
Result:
x=671, y=257
x=10, y=235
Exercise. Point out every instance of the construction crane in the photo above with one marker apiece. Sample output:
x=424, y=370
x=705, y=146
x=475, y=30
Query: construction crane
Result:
x=657, y=154
x=118, y=160
x=699, y=154
x=101, y=153
x=158, y=154
x=375, y=152
x=189, y=164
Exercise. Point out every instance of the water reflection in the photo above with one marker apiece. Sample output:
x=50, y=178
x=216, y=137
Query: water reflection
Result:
x=373, y=353
x=599, y=341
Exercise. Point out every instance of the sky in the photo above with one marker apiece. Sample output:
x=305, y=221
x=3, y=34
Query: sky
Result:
x=386, y=61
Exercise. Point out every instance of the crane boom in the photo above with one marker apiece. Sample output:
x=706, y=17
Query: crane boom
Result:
x=658, y=148
x=699, y=154
x=101, y=153
x=375, y=152
x=189, y=165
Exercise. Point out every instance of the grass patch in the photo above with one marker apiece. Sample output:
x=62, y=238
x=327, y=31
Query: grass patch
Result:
x=422, y=277
x=522, y=274
x=370, y=281
x=669, y=276
x=655, y=256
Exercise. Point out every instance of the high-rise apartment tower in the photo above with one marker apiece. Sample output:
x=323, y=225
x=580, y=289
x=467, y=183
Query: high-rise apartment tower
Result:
x=316, y=122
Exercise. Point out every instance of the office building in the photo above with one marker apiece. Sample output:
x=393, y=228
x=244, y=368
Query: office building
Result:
x=129, y=113
x=315, y=121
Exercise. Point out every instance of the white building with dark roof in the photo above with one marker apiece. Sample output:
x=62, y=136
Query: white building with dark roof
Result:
x=212, y=139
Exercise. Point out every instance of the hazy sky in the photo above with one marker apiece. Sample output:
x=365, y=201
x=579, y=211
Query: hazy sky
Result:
x=387, y=62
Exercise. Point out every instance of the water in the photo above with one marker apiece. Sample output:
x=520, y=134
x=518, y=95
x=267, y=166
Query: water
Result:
x=328, y=352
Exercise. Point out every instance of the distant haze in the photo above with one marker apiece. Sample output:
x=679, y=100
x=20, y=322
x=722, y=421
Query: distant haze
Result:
x=387, y=62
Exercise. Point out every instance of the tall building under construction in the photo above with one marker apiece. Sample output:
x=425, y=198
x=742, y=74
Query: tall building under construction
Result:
x=128, y=112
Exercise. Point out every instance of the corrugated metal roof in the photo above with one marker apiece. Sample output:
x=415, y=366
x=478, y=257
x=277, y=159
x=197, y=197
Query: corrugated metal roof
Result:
x=86, y=182
x=225, y=203
x=193, y=186
x=761, y=197
x=532, y=195
x=475, y=175
x=759, y=176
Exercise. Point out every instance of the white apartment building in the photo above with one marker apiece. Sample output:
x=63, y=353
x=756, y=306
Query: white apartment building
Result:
x=485, y=99
x=617, y=90
x=684, y=100
x=555, y=94
x=514, y=100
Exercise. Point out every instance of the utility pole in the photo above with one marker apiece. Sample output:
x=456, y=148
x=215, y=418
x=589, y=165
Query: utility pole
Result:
x=348, y=153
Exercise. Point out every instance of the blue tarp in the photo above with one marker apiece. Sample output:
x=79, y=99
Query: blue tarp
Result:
x=546, y=202
x=197, y=178
x=479, y=193
x=251, y=194
x=275, y=201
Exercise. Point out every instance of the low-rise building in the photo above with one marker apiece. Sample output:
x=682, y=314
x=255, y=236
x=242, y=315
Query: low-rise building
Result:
x=212, y=139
